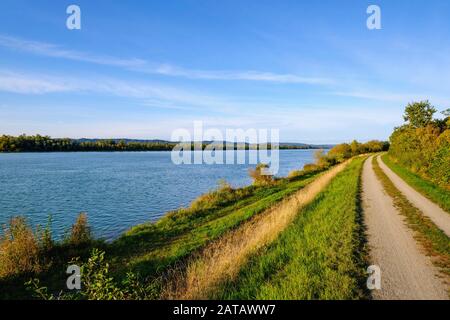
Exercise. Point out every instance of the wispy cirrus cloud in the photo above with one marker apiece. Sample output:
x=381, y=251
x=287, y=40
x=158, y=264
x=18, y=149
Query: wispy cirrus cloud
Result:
x=25, y=84
x=399, y=98
x=301, y=121
x=51, y=50
x=144, y=66
x=146, y=93
x=170, y=70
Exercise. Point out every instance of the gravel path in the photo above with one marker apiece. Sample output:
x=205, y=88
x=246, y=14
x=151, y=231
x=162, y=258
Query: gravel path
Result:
x=406, y=273
x=440, y=217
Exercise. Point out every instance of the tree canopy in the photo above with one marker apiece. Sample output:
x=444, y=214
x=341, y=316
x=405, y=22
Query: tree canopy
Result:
x=422, y=144
x=419, y=114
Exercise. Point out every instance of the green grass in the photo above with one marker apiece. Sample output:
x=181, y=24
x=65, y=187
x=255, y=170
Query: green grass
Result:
x=151, y=248
x=433, y=240
x=432, y=191
x=321, y=255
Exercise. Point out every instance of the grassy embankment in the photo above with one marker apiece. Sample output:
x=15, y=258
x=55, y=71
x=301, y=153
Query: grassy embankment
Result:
x=321, y=255
x=434, y=241
x=435, y=193
x=149, y=249
x=221, y=260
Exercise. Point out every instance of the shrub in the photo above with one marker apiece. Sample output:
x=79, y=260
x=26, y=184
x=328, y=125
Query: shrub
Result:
x=19, y=249
x=80, y=232
x=340, y=152
x=260, y=175
x=423, y=144
x=320, y=160
x=440, y=164
x=45, y=236
x=98, y=284
x=96, y=281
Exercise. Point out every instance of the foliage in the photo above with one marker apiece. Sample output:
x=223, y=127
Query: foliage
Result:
x=419, y=114
x=98, y=284
x=340, y=153
x=423, y=145
x=38, y=143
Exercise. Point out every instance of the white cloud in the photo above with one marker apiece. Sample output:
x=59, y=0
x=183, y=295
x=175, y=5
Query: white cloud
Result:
x=139, y=65
x=399, y=98
x=296, y=121
x=146, y=93
x=235, y=75
x=51, y=50
x=24, y=84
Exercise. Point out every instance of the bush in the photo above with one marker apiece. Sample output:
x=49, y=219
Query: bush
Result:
x=338, y=154
x=98, y=284
x=96, y=281
x=260, y=175
x=19, y=249
x=439, y=170
x=80, y=233
x=321, y=160
x=423, y=145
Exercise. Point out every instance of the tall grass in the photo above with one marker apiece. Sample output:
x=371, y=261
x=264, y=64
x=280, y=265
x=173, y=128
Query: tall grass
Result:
x=221, y=260
x=26, y=253
x=80, y=232
x=19, y=249
x=319, y=256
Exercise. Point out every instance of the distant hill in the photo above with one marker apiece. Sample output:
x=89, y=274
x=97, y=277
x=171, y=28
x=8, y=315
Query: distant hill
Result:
x=283, y=145
x=38, y=143
x=307, y=146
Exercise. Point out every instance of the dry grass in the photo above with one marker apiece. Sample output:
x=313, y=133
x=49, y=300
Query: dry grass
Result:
x=80, y=232
x=19, y=249
x=222, y=259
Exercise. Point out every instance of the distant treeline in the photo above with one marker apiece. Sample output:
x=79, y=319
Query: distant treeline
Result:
x=422, y=144
x=38, y=143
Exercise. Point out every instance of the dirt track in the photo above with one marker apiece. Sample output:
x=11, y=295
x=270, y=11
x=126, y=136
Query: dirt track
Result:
x=406, y=273
x=440, y=218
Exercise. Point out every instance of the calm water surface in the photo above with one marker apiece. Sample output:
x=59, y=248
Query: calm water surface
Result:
x=116, y=189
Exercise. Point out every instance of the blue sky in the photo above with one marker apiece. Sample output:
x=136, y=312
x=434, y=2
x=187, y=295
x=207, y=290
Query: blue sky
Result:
x=141, y=69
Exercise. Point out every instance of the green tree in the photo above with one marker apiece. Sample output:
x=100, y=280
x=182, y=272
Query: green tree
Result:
x=356, y=147
x=419, y=114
